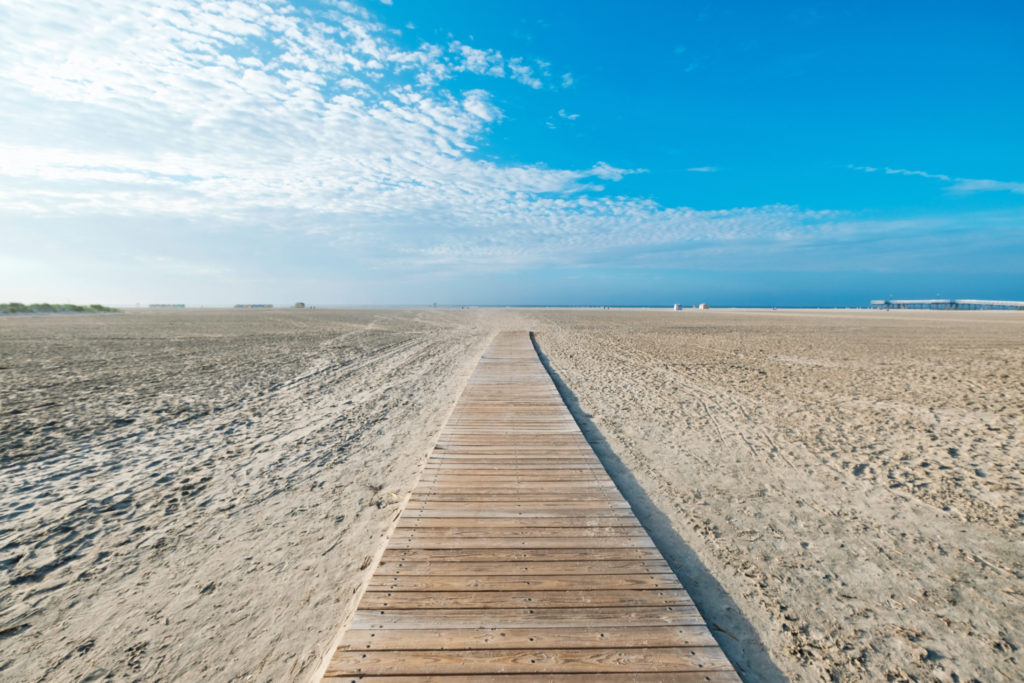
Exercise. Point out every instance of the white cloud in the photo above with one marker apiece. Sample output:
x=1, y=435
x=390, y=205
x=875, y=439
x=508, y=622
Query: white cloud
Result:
x=478, y=103
x=265, y=116
x=488, y=62
x=703, y=169
x=563, y=114
x=980, y=185
x=606, y=172
x=922, y=174
x=567, y=80
x=523, y=73
x=965, y=185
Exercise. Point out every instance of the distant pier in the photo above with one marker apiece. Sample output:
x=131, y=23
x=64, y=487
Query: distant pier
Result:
x=947, y=304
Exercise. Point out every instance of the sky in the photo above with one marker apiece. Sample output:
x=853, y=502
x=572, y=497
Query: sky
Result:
x=537, y=153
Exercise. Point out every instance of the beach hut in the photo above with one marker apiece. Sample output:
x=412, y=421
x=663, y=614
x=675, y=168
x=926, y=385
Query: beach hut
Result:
x=703, y=307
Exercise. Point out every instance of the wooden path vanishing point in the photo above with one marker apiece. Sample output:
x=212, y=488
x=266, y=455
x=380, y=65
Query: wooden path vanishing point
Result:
x=516, y=558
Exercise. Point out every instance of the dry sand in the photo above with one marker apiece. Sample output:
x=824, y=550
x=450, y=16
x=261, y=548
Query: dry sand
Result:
x=196, y=495
x=851, y=481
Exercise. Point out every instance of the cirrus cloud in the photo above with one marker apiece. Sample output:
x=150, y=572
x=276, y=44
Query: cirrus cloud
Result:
x=957, y=184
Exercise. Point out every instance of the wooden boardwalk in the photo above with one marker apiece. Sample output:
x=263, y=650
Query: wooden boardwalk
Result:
x=516, y=558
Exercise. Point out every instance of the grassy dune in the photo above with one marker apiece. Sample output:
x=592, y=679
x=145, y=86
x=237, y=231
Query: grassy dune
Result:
x=15, y=307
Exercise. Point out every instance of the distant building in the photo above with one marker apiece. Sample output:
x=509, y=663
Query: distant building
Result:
x=703, y=307
x=299, y=304
x=677, y=307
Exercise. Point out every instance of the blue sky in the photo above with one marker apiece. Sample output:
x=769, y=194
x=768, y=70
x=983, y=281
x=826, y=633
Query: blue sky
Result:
x=501, y=153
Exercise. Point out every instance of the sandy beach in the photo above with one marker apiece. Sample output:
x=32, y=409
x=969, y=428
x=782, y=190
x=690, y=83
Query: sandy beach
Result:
x=199, y=495
x=850, y=480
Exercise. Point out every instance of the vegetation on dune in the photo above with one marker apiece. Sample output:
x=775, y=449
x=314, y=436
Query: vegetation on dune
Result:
x=15, y=307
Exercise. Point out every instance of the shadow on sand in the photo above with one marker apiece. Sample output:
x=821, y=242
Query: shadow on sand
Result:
x=734, y=634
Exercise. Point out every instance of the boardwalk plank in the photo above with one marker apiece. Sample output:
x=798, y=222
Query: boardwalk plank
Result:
x=500, y=599
x=534, y=618
x=411, y=522
x=534, y=638
x=577, y=569
x=660, y=677
x=579, y=660
x=518, y=532
x=519, y=555
x=418, y=542
x=506, y=582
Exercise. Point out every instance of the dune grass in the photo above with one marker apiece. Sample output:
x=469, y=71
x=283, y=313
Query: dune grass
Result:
x=14, y=307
